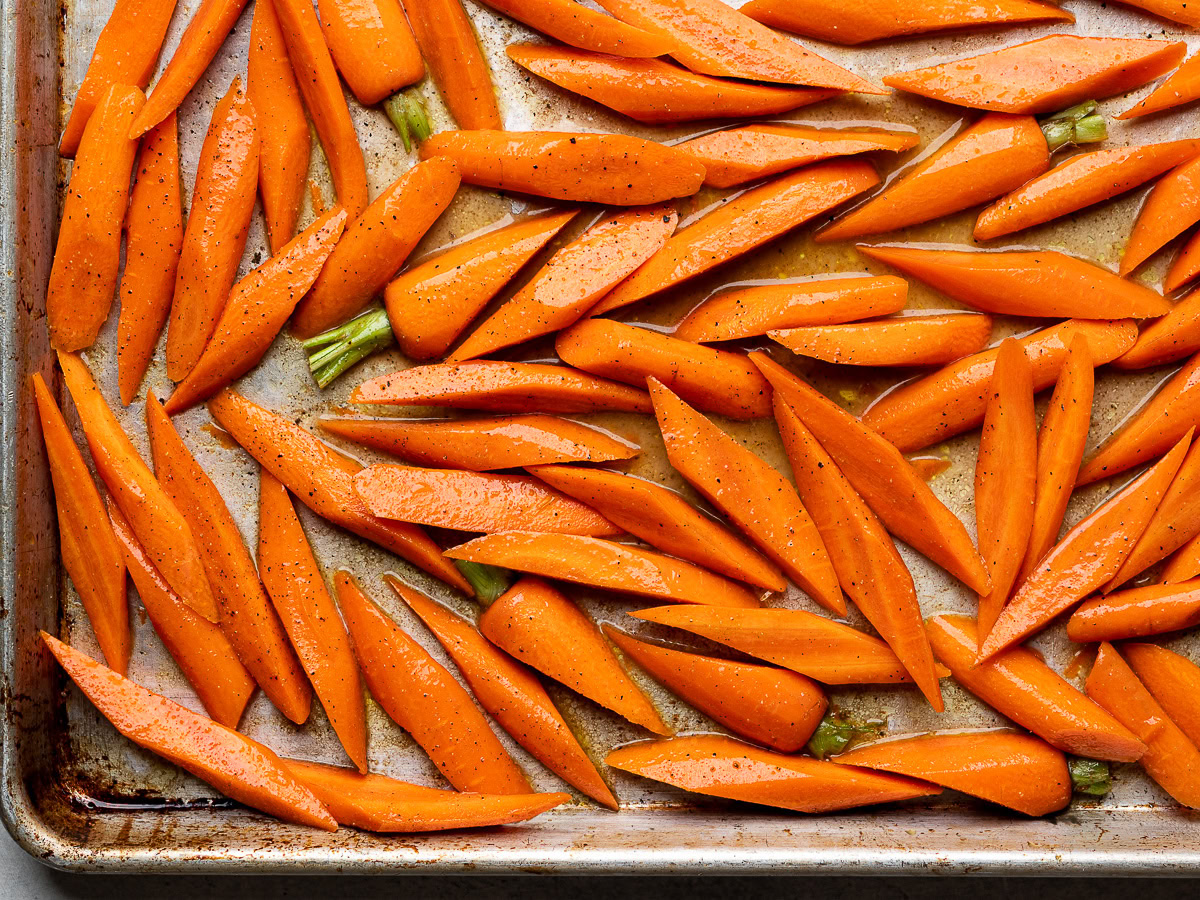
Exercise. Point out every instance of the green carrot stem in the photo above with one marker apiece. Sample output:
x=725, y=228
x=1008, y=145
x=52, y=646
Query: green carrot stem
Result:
x=407, y=113
x=837, y=732
x=1079, y=124
x=489, y=582
x=1090, y=777
x=332, y=352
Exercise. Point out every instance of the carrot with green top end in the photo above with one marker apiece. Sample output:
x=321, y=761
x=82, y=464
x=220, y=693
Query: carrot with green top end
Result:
x=1138, y=612
x=587, y=29
x=1182, y=87
x=1169, y=339
x=900, y=341
x=451, y=50
x=372, y=45
x=1171, y=207
x=1172, y=680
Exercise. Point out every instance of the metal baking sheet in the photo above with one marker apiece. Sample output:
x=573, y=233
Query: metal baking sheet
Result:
x=78, y=796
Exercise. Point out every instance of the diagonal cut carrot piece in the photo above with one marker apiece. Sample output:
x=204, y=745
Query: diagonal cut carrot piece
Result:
x=1184, y=565
x=1183, y=86
x=1171, y=207
x=1185, y=266
x=1173, y=337
x=373, y=47
x=1172, y=680
x=585, y=28
x=456, y=63
x=1137, y=612
x=900, y=341
x=1175, y=10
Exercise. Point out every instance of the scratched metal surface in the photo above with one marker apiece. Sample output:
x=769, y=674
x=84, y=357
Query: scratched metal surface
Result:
x=79, y=796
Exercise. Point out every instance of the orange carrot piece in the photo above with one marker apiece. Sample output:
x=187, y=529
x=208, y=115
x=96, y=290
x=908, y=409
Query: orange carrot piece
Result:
x=90, y=553
x=749, y=312
x=1169, y=339
x=237, y=766
x=584, y=28
x=1184, y=565
x=451, y=50
x=580, y=168
x=753, y=494
x=323, y=480
x=774, y=707
x=1175, y=10
x=901, y=341
x=1185, y=266
x=715, y=381
x=478, y=445
x=1171, y=207
x=1044, y=75
x=1019, y=685
x=539, y=626
x=1171, y=759
x=574, y=278
x=511, y=693
x=663, y=519
x=657, y=92
x=606, y=565
x=884, y=478
x=744, y=223
x=204, y=654
x=1182, y=87
x=293, y=582
x=1137, y=612
x=373, y=47
x=501, y=386
x=153, y=516
x=952, y=400
x=1172, y=680
x=431, y=304
x=969, y=166
x=1018, y=771
x=928, y=467
x=83, y=276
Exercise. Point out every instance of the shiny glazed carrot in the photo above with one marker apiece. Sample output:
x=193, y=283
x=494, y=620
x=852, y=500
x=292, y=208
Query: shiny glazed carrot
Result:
x=1169, y=339
x=753, y=494
x=573, y=279
x=536, y=624
x=373, y=47
x=774, y=707
x=1185, y=266
x=323, y=480
x=1171, y=207
x=1184, y=565
x=1175, y=10
x=1182, y=87
x=1041, y=76
x=425, y=700
x=90, y=552
x=901, y=341
x=83, y=276
x=715, y=381
x=1171, y=679
x=1019, y=685
x=451, y=50
x=1137, y=612
x=585, y=28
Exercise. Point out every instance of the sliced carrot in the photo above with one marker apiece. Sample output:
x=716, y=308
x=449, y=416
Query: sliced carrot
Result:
x=1175, y=10
x=1182, y=87
x=511, y=693
x=1018, y=771
x=968, y=166
x=375, y=245
x=431, y=304
x=425, y=700
x=1172, y=680
x=539, y=626
x=83, y=275
x=606, y=565
x=663, y=519
x=580, y=168
x=373, y=47
x=574, y=278
x=1169, y=339
x=1184, y=565
x=749, y=312
x=323, y=480
x=953, y=400
x=90, y=552
x=1171, y=207
x=928, y=467
x=657, y=92
x=451, y=50
x=715, y=381
x=884, y=478
x=753, y=494
x=584, y=28
x=1185, y=266
x=901, y=341
x=1019, y=685
x=742, y=224
x=1044, y=75
x=1137, y=612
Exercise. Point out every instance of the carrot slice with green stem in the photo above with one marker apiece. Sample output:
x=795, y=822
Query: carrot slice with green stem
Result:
x=1172, y=680
x=1169, y=339
x=585, y=28
x=323, y=480
x=900, y=341
x=373, y=47
x=1137, y=612
x=235, y=765
x=1171, y=207
x=1184, y=565
x=451, y=50
x=1183, y=86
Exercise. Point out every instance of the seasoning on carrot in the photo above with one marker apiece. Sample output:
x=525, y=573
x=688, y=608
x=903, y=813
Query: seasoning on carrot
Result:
x=1171, y=679
x=1137, y=612
x=372, y=45
x=1184, y=565
x=1171, y=207
x=1175, y=10
x=451, y=50
x=1169, y=339
x=1183, y=86
x=900, y=341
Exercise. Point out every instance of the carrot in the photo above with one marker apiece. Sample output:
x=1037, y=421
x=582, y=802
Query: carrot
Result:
x=381, y=804
x=153, y=516
x=584, y=28
x=1185, y=266
x=888, y=484
x=1169, y=339
x=1171, y=759
x=90, y=553
x=1018, y=771
x=901, y=341
x=284, y=143
x=83, y=275
x=952, y=400
x=294, y=583
x=1175, y=10
x=1043, y=75
x=1184, y=565
x=204, y=654
x=575, y=277
x=1137, y=612
x=663, y=519
x=373, y=47
x=501, y=386
x=716, y=381
x=579, y=168
x=753, y=494
x=323, y=479
x=841, y=23
x=968, y=166
x=657, y=92
x=929, y=467
x=1171, y=207
x=1171, y=679
x=425, y=700
x=751, y=311
x=318, y=83
x=375, y=245
x=744, y=223
x=503, y=442
x=1183, y=86
x=773, y=707
x=606, y=565
x=451, y=50
x=1019, y=685
x=431, y=304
